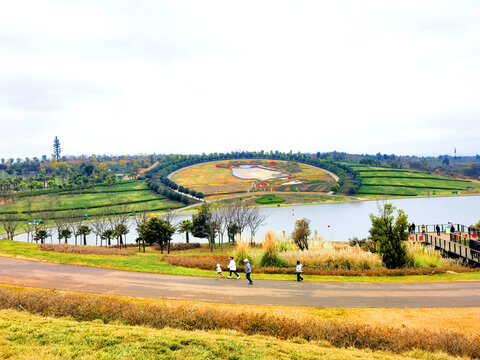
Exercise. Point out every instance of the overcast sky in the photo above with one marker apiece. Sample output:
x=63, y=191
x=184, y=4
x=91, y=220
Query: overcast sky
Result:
x=130, y=77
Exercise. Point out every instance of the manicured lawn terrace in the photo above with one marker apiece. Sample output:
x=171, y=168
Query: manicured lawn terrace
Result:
x=215, y=178
x=405, y=182
x=151, y=261
x=135, y=196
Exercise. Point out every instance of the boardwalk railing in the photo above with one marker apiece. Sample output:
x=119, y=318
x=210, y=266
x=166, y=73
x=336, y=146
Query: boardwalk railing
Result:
x=465, y=249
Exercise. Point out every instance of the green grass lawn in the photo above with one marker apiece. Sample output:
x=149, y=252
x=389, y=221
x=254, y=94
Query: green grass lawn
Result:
x=269, y=199
x=151, y=261
x=419, y=183
x=406, y=182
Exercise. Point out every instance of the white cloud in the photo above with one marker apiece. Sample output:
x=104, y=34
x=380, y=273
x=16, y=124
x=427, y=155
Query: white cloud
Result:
x=190, y=76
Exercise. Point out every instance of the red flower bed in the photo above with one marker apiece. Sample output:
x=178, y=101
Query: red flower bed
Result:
x=272, y=163
x=224, y=166
x=261, y=185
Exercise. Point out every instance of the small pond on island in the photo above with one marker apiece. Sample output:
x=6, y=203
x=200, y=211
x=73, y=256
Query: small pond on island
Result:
x=341, y=221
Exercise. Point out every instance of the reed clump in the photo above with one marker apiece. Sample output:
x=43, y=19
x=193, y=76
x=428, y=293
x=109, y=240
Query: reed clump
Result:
x=87, y=307
x=420, y=255
x=270, y=256
x=326, y=255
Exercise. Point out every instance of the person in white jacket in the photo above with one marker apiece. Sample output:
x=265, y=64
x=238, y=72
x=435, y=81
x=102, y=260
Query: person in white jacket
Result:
x=232, y=266
x=299, y=271
x=219, y=272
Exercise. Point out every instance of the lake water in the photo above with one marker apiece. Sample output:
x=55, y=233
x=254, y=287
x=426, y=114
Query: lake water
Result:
x=341, y=221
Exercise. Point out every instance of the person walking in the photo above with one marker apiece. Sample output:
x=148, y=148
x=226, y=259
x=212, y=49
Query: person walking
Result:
x=423, y=229
x=299, y=272
x=232, y=266
x=413, y=228
x=248, y=271
x=219, y=272
x=437, y=228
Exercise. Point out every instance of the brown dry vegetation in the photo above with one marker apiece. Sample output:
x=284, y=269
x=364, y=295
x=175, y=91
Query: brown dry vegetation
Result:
x=180, y=246
x=86, y=250
x=189, y=316
x=209, y=262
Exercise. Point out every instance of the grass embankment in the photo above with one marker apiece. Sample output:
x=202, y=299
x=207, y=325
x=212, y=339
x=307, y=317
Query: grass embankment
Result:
x=290, y=198
x=314, y=330
x=68, y=339
x=405, y=182
x=134, y=195
x=152, y=262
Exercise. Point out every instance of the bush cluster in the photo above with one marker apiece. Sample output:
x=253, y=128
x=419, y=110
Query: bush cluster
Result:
x=88, y=307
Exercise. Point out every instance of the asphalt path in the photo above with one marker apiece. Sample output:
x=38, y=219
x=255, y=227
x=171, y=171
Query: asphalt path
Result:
x=14, y=271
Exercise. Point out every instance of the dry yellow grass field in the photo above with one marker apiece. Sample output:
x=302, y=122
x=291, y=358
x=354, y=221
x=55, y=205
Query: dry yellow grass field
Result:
x=103, y=328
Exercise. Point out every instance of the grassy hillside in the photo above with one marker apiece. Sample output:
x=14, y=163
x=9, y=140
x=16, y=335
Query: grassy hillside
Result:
x=134, y=195
x=406, y=182
x=27, y=336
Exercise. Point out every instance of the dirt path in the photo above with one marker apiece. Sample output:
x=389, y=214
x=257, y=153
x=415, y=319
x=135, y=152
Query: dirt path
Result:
x=317, y=294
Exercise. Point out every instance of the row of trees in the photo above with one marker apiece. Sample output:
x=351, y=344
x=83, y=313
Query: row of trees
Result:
x=159, y=174
x=169, y=194
x=209, y=223
x=112, y=224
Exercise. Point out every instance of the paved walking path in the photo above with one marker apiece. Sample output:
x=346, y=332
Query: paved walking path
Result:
x=317, y=294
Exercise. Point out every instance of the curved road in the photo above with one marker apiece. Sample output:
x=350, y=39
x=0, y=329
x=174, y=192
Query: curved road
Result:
x=15, y=271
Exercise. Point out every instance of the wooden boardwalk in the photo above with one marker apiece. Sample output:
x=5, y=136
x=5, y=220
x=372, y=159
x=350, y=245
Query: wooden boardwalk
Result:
x=456, y=245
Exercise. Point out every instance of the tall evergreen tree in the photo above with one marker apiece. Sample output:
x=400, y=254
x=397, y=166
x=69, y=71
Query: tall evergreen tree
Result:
x=56, y=148
x=389, y=233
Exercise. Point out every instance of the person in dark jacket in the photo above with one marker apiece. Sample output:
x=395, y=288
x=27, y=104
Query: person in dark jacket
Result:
x=248, y=271
x=413, y=228
x=437, y=228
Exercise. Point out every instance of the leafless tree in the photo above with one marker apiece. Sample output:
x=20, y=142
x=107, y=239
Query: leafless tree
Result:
x=142, y=217
x=60, y=223
x=219, y=216
x=10, y=223
x=99, y=225
x=240, y=215
x=28, y=227
x=171, y=216
x=118, y=219
x=255, y=219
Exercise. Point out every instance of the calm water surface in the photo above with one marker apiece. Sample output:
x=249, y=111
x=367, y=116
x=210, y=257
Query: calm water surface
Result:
x=341, y=221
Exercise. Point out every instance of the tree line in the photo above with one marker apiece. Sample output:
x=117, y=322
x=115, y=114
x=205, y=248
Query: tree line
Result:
x=159, y=174
x=112, y=224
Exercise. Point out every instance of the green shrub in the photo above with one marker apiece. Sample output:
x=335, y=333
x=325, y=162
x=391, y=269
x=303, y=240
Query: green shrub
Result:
x=284, y=245
x=269, y=199
x=270, y=259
